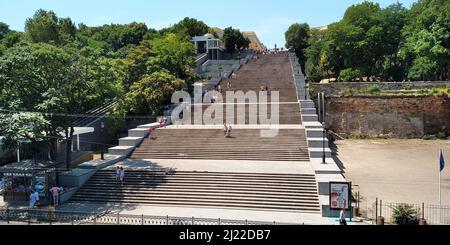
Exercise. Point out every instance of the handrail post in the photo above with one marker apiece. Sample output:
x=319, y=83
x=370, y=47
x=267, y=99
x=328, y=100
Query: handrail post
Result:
x=7, y=215
x=376, y=211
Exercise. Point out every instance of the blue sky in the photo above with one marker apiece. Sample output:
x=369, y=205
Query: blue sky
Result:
x=270, y=19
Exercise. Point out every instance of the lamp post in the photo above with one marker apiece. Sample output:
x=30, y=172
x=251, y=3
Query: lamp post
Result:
x=18, y=151
x=324, y=128
x=323, y=143
x=102, y=126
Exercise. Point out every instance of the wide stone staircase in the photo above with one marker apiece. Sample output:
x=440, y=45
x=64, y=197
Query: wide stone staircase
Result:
x=245, y=144
x=256, y=189
x=273, y=71
x=278, y=192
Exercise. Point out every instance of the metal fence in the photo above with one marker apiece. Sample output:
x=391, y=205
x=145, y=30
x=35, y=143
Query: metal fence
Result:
x=52, y=217
x=433, y=214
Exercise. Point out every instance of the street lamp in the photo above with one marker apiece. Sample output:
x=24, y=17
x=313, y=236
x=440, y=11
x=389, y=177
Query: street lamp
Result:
x=102, y=126
x=323, y=143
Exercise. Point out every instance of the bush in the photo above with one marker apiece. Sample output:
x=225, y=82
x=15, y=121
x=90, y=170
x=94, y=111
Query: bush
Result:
x=349, y=75
x=405, y=215
x=373, y=89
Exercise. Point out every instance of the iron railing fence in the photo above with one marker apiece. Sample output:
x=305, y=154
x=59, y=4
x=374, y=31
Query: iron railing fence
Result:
x=433, y=214
x=50, y=216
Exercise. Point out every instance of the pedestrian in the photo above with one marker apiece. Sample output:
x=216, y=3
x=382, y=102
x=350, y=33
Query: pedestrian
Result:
x=161, y=122
x=229, y=128
x=219, y=88
x=150, y=131
x=117, y=173
x=55, y=194
x=122, y=175
x=165, y=122
x=342, y=220
x=225, y=130
x=34, y=199
x=229, y=84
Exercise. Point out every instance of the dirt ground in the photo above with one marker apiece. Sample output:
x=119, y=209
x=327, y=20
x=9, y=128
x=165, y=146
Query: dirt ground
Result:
x=396, y=170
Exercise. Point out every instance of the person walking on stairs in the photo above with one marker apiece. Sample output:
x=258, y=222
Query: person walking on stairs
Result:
x=121, y=175
x=117, y=174
x=228, y=135
x=225, y=130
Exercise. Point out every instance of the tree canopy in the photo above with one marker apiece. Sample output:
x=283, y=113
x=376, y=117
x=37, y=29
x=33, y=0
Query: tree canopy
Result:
x=56, y=70
x=234, y=40
x=371, y=43
x=297, y=39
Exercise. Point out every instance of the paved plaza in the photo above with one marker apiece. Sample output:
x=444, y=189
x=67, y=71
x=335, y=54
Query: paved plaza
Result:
x=396, y=170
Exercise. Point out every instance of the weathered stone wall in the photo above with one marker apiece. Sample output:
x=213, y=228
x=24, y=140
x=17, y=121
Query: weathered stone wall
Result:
x=399, y=116
x=333, y=89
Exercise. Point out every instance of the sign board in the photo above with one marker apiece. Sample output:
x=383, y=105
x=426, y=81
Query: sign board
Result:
x=340, y=195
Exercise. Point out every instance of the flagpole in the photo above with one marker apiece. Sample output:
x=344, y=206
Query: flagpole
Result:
x=440, y=190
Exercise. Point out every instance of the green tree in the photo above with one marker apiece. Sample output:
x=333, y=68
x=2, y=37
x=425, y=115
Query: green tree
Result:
x=190, y=27
x=234, y=40
x=316, y=66
x=148, y=95
x=135, y=62
x=297, y=39
x=43, y=27
x=12, y=39
x=23, y=128
x=117, y=36
x=427, y=46
x=28, y=82
x=173, y=54
x=4, y=30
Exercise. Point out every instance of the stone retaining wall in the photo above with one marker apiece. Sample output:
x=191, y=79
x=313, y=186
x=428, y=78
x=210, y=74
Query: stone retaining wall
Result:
x=394, y=116
x=333, y=89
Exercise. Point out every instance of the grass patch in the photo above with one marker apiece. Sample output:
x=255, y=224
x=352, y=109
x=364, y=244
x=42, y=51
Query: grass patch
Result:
x=374, y=89
x=437, y=136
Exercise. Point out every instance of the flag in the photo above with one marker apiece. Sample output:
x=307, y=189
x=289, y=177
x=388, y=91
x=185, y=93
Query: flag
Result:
x=442, y=161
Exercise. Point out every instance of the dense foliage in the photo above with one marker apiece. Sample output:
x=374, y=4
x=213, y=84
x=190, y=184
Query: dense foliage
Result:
x=55, y=70
x=372, y=43
x=234, y=40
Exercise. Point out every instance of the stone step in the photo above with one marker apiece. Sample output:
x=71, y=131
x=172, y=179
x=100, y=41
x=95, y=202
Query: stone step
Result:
x=130, y=141
x=308, y=111
x=317, y=142
x=318, y=152
x=150, y=125
x=138, y=132
x=313, y=125
x=310, y=118
x=121, y=150
x=314, y=133
x=307, y=104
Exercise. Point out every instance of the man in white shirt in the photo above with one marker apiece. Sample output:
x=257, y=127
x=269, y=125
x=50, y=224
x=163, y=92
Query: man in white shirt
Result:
x=342, y=220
